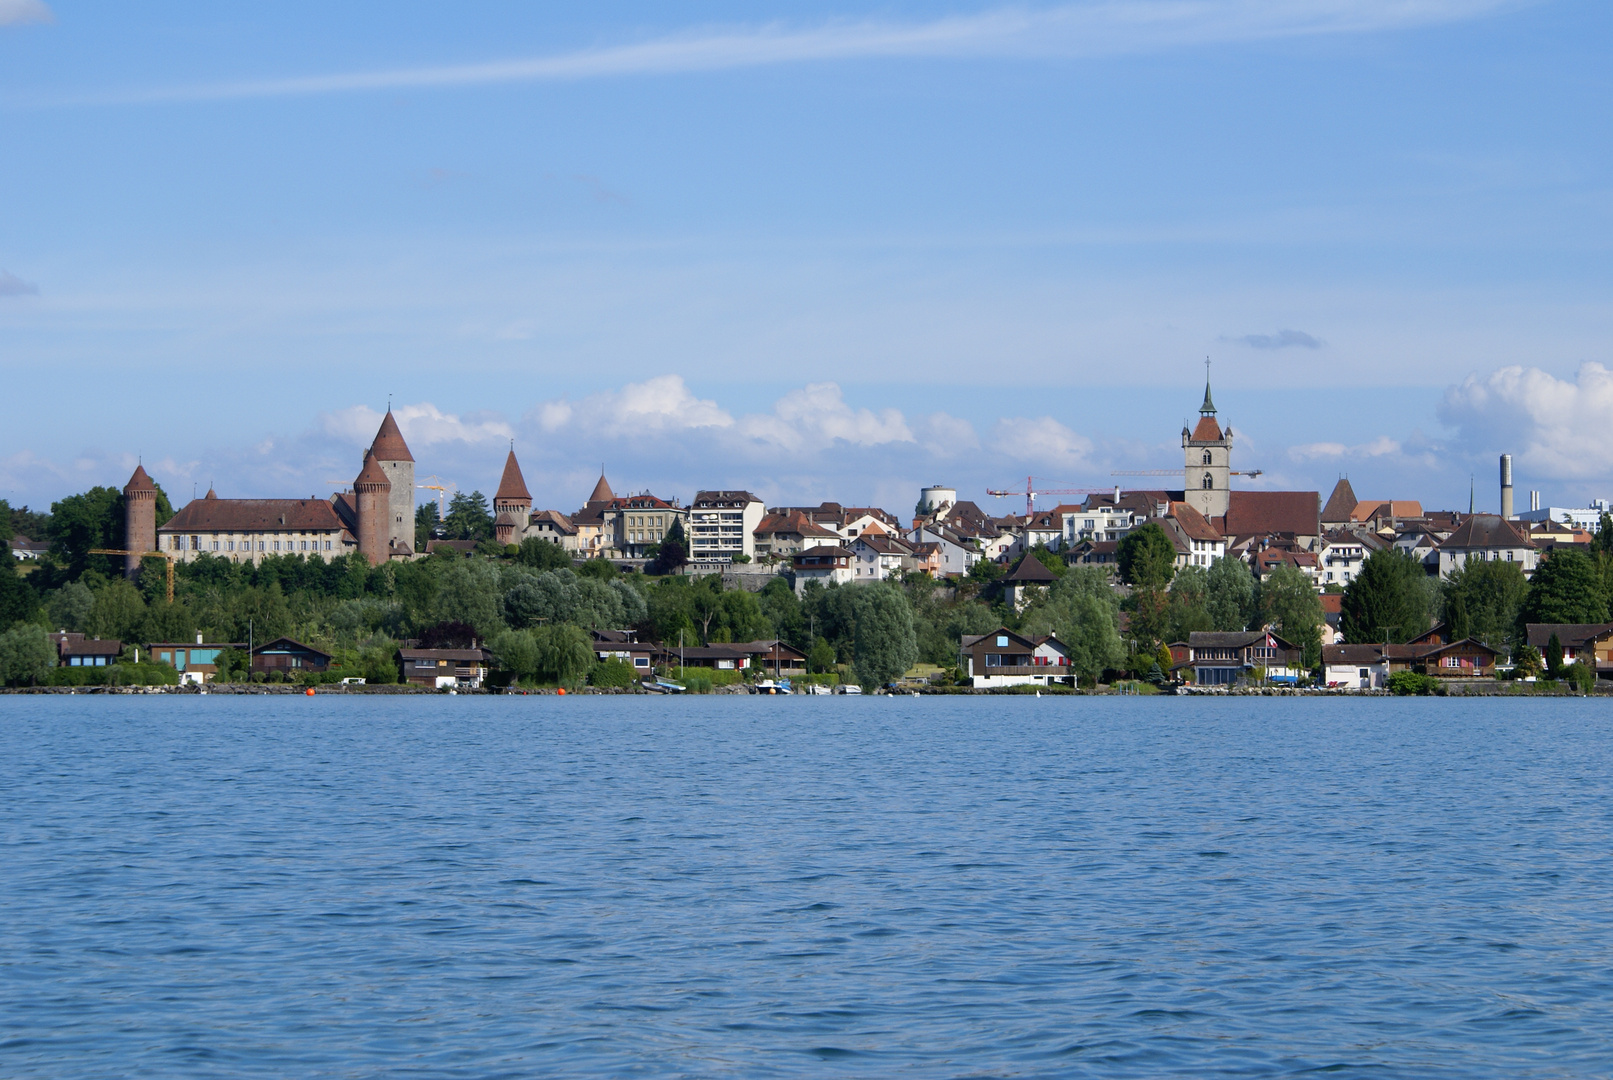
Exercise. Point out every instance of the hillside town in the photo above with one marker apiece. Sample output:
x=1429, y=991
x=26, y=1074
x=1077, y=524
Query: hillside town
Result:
x=1202, y=584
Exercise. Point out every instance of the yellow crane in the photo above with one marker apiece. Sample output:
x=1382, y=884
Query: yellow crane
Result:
x=442, y=488
x=165, y=556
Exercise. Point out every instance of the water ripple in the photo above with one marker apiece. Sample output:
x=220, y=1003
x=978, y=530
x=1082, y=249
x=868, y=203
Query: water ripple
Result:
x=805, y=887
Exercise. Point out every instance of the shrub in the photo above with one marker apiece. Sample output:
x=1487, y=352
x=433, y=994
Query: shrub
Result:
x=1409, y=682
x=612, y=673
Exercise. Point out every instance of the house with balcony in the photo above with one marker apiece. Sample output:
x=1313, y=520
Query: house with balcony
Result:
x=444, y=668
x=1008, y=658
x=827, y=565
x=722, y=525
x=1219, y=658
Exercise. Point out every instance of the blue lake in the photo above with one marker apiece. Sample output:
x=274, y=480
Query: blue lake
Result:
x=524, y=887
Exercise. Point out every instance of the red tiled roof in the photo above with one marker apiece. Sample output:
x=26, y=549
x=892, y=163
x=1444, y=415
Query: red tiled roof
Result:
x=512, y=486
x=1255, y=513
x=1487, y=531
x=1206, y=430
x=1193, y=524
x=372, y=473
x=1031, y=570
x=255, y=515
x=389, y=444
x=602, y=491
x=140, y=481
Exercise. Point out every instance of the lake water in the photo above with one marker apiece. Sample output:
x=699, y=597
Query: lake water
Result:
x=813, y=887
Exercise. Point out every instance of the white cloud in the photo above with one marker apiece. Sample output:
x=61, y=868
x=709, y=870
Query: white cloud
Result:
x=22, y=12
x=817, y=416
x=656, y=406
x=1553, y=427
x=1382, y=446
x=1092, y=28
x=948, y=436
x=1043, y=440
x=423, y=425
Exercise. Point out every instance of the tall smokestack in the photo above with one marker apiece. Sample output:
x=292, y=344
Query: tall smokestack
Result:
x=1506, y=486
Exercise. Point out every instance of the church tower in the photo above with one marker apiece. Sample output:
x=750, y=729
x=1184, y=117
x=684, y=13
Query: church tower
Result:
x=392, y=454
x=1207, y=452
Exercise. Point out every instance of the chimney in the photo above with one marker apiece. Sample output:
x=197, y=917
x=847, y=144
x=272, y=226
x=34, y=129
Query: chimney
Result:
x=1117, y=494
x=1534, y=500
x=198, y=637
x=1506, y=486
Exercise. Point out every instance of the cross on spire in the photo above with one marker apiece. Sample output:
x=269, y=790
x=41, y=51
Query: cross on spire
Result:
x=1208, y=408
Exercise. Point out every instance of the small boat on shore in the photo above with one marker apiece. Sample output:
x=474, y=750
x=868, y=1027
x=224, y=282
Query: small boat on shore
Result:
x=769, y=686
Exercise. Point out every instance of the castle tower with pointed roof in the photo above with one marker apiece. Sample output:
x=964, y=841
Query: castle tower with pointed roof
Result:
x=512, y=503
x=1207, y=454
x=372, y=495
x=139, y=519
x=392, y=455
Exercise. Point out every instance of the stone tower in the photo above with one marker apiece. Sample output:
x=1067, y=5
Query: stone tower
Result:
x=1207, y=469
x=512, y=503
x=139, y=519
x=392, y=454
x=372, y=492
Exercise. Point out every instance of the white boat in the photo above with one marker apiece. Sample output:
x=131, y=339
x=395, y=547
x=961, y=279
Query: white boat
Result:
x=817, y=688
x=850, y=688
x=768, y=686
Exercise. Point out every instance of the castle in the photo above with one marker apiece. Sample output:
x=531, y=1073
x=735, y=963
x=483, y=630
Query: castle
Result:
x=375, y=518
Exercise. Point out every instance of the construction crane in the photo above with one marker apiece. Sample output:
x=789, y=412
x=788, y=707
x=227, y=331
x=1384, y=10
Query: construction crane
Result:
x=441, y=487
x=165, y=556
x=1031, y=491
x=1176, y=472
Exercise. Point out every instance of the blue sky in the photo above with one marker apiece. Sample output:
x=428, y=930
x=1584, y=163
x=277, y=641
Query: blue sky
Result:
x=821, y=251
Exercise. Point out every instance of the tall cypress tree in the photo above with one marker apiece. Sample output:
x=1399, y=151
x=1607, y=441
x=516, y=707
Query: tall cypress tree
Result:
x=1389, y=598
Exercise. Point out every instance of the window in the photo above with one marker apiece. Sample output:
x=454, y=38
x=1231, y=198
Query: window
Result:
x=1206, y=457
x=215, y=545
x=277, y=545
x=1002, y=641
x=1208, y=483
x=229, y=545
x=260, y=545
x=994, y=660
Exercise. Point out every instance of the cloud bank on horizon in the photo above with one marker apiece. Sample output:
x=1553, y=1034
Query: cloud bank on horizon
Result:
x=812, y=445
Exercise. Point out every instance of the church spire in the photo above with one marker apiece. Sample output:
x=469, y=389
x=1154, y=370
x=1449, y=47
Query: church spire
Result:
x=1208, y=408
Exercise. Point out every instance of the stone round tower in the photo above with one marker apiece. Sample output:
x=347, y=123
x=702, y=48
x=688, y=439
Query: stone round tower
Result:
x=372, y=491
x=512, y=503
x=139, y=519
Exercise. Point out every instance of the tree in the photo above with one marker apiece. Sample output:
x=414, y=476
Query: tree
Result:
x=1189, y=604
x=541, y=554
x=1082, y=611
x=69, y=606
x=884, y=646
x=448, y=635
x=469, y=593
x=601, y=568
x=118, y=612
x=1554, y=657
x=1482, y=600
x=1565, y=589
x=18, y=601
x=672, y=554
x=26, y=655
x=468, y=517
x=1290, y=604
x=426, y=521
x=1146, y=557
x=1526, y=662
x=1388, y=600
x=822, y=657
x=986, y=570
x=1231, y=595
